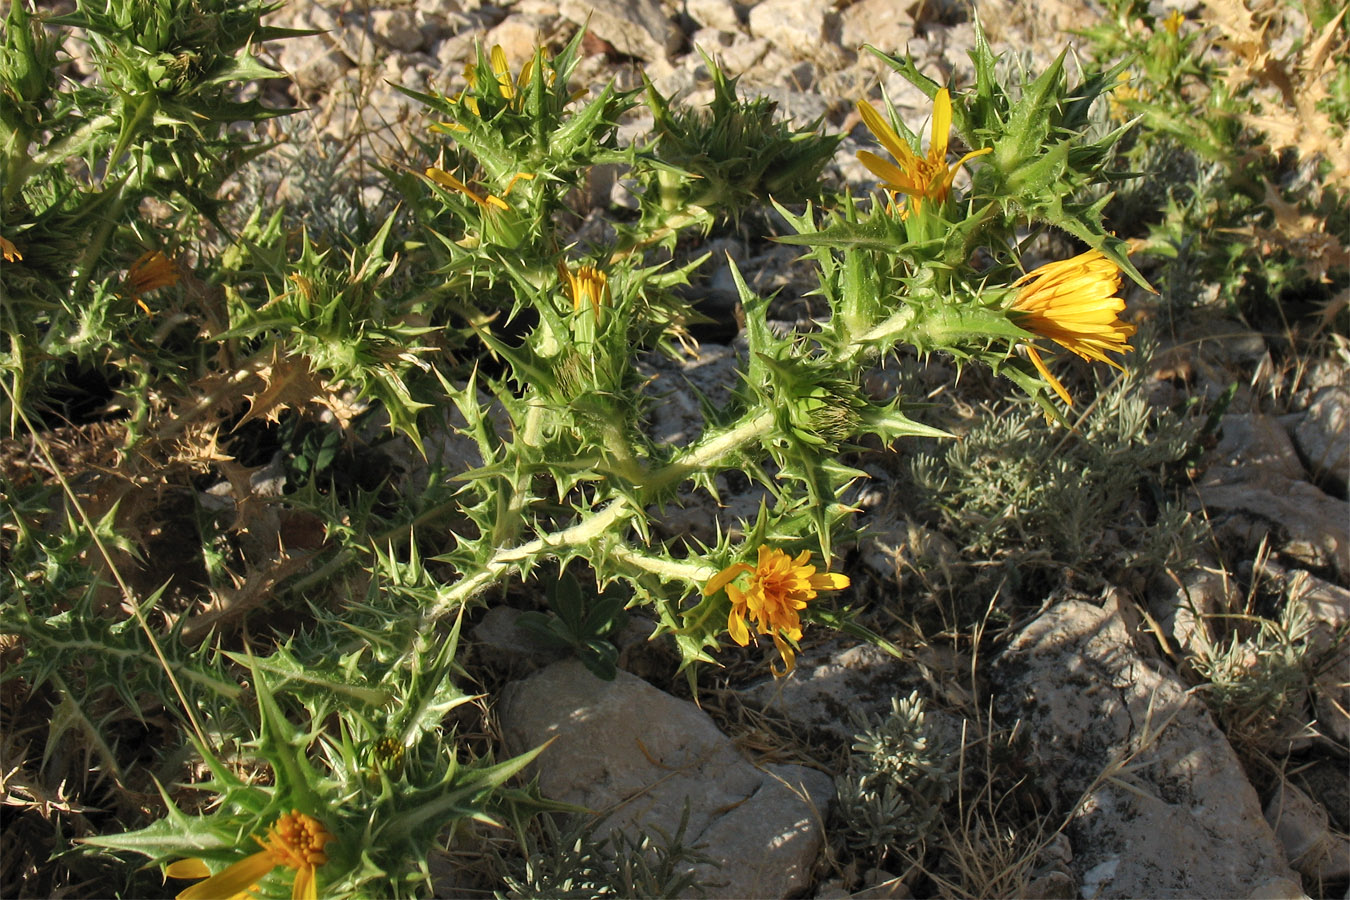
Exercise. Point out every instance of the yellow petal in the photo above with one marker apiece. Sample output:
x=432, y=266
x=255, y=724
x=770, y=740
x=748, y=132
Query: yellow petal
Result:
x=789, y=658
x=233, y=881
x=942, y=126
x=736, y=626
x=187, y=868
x=829, y=581
x=903, y=153
x=724, y=577
x=306, y=886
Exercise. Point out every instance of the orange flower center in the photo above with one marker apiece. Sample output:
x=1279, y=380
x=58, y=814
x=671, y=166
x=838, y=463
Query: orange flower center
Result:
x=297, y=841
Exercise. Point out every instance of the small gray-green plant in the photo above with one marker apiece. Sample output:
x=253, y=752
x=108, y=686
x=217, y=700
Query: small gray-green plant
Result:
x=1260, y=678
x=897, y=780
x=572, y=862
x=1102, y=494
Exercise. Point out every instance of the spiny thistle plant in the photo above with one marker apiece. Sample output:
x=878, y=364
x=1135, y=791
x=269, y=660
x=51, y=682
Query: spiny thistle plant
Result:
x=334, y=761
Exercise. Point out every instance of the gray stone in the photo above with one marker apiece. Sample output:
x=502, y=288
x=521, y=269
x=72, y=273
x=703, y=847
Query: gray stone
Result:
x=396, y=29
x=1278, y=889
x=313, y=62
x=633, y=27
x=840, y=681
x=1051, y=886
x=1308, y=525
x=1249, y=441
x=1301, y=825
x=1322, y=436
x=1183, y=607
x=501, y=643
x=1100, y=717
x=518, y=36
x=743, y=54
x=800, y=28
x=719, y=14
x=884, y=24
x=640, y=757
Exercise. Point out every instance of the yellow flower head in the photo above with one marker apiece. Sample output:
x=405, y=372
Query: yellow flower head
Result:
x=921, y=178
x=1073, y=302
x=9, y=251
x=587, y=283
x=295, y=841
x=779, y=586
x=1173, y=22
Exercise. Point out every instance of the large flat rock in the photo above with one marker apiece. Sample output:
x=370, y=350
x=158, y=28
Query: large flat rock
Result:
x=638, y=755
x=1175, y=816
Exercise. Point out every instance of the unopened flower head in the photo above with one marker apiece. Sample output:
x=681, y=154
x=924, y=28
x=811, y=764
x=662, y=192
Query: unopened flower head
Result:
x=919, y=177
x=779, y=587
x=1073, y=302
x=296, y=841
x=586, y=283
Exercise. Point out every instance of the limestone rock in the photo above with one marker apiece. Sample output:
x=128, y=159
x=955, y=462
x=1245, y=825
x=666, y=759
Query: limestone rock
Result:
x=1309, y=525
x=1192, y=826
x=1250, y=441
x=1301, y=825
x=628, y=750
x=633, y=27
x=518, y=36
x=312, y=61
x=884, y=24
x=719, y=14
x=831, y=683
x=1323, y=437
x=808, y=28
x=396, y=29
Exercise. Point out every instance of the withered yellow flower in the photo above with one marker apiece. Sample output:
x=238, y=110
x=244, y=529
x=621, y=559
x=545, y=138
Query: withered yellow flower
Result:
x=9, y=251
x=150, y=271
x=296, y=841
x=1073, y=302
x=920, y=178
x=778, y=588
x=587, y=283
x=486, y=201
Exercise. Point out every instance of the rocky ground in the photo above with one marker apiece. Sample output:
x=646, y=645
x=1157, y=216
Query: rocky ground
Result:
x=1108, y=774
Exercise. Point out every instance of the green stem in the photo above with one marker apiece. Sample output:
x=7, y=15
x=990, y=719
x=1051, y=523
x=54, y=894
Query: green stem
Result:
x=666, y=568
x=506, y=559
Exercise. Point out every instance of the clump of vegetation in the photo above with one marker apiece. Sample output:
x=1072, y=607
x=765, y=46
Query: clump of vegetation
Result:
x=369, y=422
